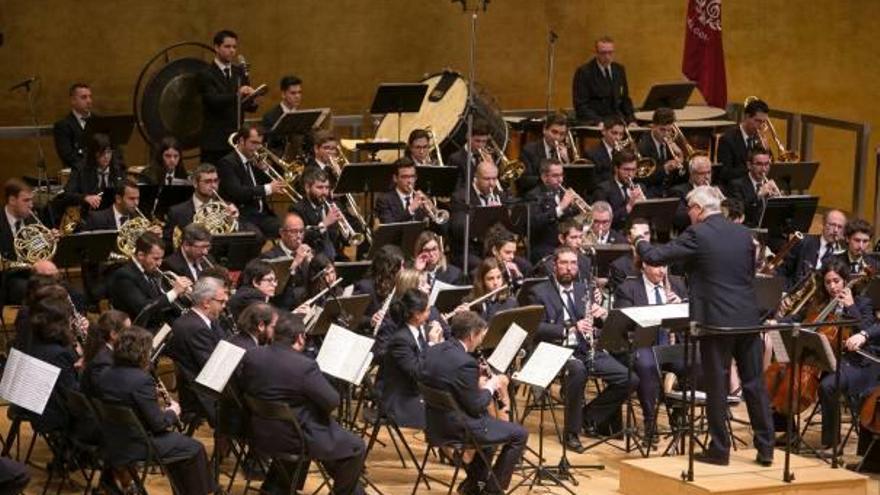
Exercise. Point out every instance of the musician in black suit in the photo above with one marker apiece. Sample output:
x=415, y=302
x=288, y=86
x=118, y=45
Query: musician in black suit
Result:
x=419, y=148
x=651, y=287
x=754, y=188
x=222, y=86
x=858, y=243
x=490, y=277
x=257, y=283
x=320, y=215
x=571, y=235
x=565, y=322
x=669, y=169
x=256, y=326
x=126, y=197
x=192, y=256
x=69, y=132
x=98, y=351
x=128, y=383
x=600, y=232
x=479, y=143
x=244, y=182
x=205, y=183
x=599, y=88
x=719, y=258
x=291, y=97
x=137, y=285
x=535, y=152
x=381, y=281
x=815, y=250
x=626, y=265
x=290, y=245
x=736, y=142
x=551, y=203
x=402, y=203
x=449, y=366
x=281, y=372
x=430, y=258
x=95, y=174
x=166, y=167
x=619, y=191
x=613, y=132
x=19, y=211
x=325, y=153
x=699, y=174
x=483, y=192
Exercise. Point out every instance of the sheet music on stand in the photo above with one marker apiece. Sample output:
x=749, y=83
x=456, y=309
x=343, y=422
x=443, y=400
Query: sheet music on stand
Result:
x=27, y=381
x=160, y=336
x=220, y=366
x=543, y=365
x=507, y=348
x=652, y=316
x=778, y=346
x=345, y=354
x=439, y=285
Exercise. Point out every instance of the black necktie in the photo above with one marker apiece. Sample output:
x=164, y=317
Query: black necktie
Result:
x=102, y=180
x=625, y=191
x=607, y=73
x=662, y=153
x=658, y=299
x=406, y=201
x=169, y=179
x=569, y=301
x=155, y=283
x=753, y=143
x=423, y=344
x=123, y=219
x=17, y=226
x=227, y=72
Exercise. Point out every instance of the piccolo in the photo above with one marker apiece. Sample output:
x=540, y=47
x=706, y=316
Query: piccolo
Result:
x=478, y=300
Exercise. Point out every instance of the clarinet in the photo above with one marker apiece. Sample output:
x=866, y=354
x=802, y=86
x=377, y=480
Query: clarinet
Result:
x=588, y=315
x=163, y=394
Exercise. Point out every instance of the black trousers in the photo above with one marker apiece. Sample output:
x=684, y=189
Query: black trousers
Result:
x=857, y=378
x=344, y=472
x=515, y=438
x=716, y=354
x=618, y=385
x=14, y=477
x=192, y=474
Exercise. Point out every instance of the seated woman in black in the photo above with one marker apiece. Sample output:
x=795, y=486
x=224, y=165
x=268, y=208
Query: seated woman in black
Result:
x=256, y=284
x=489, y=278
x=380, y=281
x=98, y=352
x=128, y=383
x=166, y=168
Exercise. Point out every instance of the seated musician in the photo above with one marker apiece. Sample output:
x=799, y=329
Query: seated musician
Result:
x=290, y=245
x=430, y=258
x=380, y=281
x=600, y=230
x=325, y=151
x=484, y=192
x=552, y=203
x=478, y=144
x=754, y=188
x=125, y=207
x=858, y=242
x=613, y=130
x=626, y=266
x=449, y=366
x=653, y=286
x=166, y=168
x=192, y=257
x=257, y=283
x=699, y=174
x=565, y=302
x=193, y=338
x=281, y=372
x=402, y=203
x=489, y=278
x=737, y=142
x=69, y=133
x=291, y=98
x=33, y=285
x=655, y=145
x=320, y=215
x=571, y=234
x=97, y=172
x=256, y=326
x=205, y=182
x=129, y=383
x=407, y=279
x=536, y=152
x=19, y=211
x=815, y=250
x=98, y=351
x=244, y=182
x=405, y=351
x=620, y=191
x=418, y=148
x=500, y=244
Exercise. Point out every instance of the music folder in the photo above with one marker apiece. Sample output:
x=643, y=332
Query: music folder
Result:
x=507, y=348
x=27, y=381
x=814, y=347
x=659, y=212
x=92, y=246
x=345, y=355
x=299, y=121
x=117, y=127
x=220, y=366
x=446, y=297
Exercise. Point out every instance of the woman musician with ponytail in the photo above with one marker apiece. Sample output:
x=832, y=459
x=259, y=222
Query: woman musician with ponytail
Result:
x=490, y=294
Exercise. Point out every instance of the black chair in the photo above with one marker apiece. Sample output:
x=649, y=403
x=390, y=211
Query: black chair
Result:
x=444, y=401
x=375, y=418
x=87, y=449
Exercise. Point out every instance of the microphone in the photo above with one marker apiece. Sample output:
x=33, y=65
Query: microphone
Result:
x=25, y=84
x=244, y=65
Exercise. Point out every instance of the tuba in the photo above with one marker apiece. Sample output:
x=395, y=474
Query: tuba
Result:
x=782, y=154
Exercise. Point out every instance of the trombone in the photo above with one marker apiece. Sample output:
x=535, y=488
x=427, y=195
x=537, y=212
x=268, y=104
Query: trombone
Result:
x=782, y=155
x=435, y=145
x=509, y=170
x=682, y=152
x=291, y=172
x=574, y=157
x=645, y=165
x=347, y=231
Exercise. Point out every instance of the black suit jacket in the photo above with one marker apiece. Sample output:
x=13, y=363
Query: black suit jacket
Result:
x=56, y=416
x=295, y=291
x=131, y=292
x=177, y=264
x=544, y=222
x=69, y=139
x=390, y=209
x=243, y=340
x=156, y=175
x=595, y=97
x=401, y=372
x=742, y=189
x=101, y=362
x=681, y=220
x=552, y=329
x=719, y=259
x=802, y=258
x=659, y=182
x=870, y=261
x=101, y=220
x=733, y=154
x=84, y=181
x=327, y=242
x=532, y=155
x=219, y=111
x=620, y=269
x=179, y=215
x=602, y=159
x=632, y=292
x=609, y=192
x=236, y=186
x=458, y=212
x=459, y=160
x=190, y=346
x=279, y=373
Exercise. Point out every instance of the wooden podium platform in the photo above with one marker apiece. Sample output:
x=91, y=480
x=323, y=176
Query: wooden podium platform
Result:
x=662, y=476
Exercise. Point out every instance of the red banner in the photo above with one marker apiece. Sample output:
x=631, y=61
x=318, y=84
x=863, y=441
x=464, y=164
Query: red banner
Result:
x=703, y=60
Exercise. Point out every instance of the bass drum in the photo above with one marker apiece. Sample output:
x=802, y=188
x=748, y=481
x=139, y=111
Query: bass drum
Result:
x=445, y=110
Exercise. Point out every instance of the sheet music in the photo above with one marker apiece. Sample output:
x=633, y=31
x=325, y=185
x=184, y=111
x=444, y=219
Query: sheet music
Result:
x=160, y=336
x=778, y=346
x=348, y=290
x=220, y=366
x=652, y=316
x=311, y=317
x=543, y=365
x=27, y=381
x=829, y=352
x=507, y=348
x=364, y=368
x=438, y=286
x=343, y=354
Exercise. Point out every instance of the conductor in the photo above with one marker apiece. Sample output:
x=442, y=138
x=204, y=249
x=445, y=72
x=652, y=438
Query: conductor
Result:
x=719, y=259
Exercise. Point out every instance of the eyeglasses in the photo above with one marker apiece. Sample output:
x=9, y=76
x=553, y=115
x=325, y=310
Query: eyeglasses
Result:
x=293, y=231
x=221, y=301
x=269, y=280
x=693, y=205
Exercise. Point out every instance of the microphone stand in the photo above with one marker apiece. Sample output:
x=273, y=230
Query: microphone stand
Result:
x=42, y=174
x=551, y=59
x=472, y=74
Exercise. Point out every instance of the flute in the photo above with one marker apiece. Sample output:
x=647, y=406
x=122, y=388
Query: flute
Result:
x=384, y=309
x=478, y=300
x=319, y=295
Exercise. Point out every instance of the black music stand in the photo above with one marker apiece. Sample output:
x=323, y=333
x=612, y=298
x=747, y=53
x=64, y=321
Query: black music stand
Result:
x=299, y=122
x=398, y=98
x=606, y=254
x=436, y=181
x=281, y=268
x=785, y=214
x=449, y=299
x=156, y=200
x=484, y=217
x=85, y=247
x=351, y=309
x=670, y=95
x=117, y=127
x=374, y=147
x=522, y=297
x=793, y=176
x=402, y=234
x=527, y=317
x=364, y=178
x=872, y=290
x=351, y=271
x=659, y=212
x=769, y=292
x=580, y=177
x=237, y=247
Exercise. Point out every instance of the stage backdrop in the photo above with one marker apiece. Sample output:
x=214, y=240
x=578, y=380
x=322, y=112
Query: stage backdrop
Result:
x=815, y=57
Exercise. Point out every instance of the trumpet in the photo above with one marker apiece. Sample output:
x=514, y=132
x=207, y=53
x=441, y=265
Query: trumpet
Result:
x=429, y=204
x=782, y=154
x=435, y=145
x=632, y=186
x=772, y=189
x=584, y=208
x=183, y=300
x=347, y=231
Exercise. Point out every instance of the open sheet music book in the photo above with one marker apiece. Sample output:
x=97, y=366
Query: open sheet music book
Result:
x=439, y=286
x=28, y=382
x=507, y=348
x=345, y=354
x=652, y=316
x=543, y=365
x=220, y=366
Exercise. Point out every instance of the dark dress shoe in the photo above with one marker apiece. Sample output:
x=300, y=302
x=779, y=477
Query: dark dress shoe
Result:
x=467, y=488
x=710, y=459
x=764, y=459
x=573, y=443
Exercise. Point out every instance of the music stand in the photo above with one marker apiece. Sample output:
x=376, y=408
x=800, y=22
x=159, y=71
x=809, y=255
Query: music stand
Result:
x=374, y=147
x=117, y=127
x=351, y=271
x=281, y=268
x=364, y=177
x=580, y=177
x=398, y=98
x=786, y=214
x=793, y=176
x=299, y=122
x=436, y=181
x=484, y=217
x=237, y=247
x=449, y=299
x=350, y=308
x=522, y=297
x=402, y=234
x=872, y=290
x=659, y=212
x=158, y=199
x=606, y=254
x=85, y=247
x=527, y=317
x=769, y=292
x=670, y=95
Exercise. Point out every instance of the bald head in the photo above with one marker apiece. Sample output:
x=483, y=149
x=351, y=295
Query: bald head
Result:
x=486, y=177
x=45, y=267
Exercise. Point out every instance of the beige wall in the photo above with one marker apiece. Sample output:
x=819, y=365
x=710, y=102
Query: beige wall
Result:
x=816, y=56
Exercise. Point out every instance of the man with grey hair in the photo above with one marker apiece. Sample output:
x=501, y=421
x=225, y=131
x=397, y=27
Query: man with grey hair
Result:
x=719, y=257
x=699, y=174
x=193, y=338
x=602, y=233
